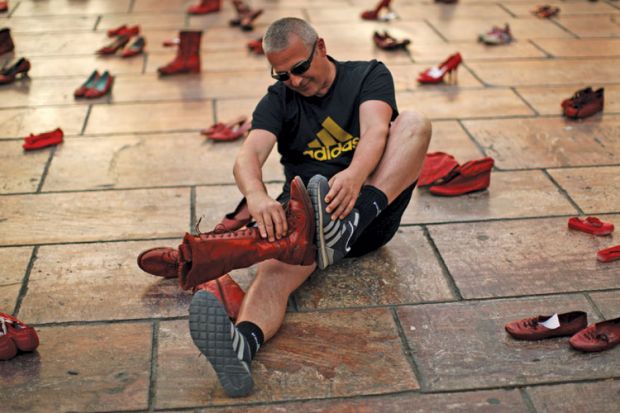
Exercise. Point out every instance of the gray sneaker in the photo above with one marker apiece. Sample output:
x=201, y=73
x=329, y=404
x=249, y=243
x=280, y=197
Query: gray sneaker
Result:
x=218, y=339
x=333, y=238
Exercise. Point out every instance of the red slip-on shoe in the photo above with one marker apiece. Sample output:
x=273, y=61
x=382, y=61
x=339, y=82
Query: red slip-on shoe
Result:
x=8, y=349
x=587, y=106
x=436, y=74
x=117, y=30
x=102, y=86
x=43, y=140
x=591, y=225
x=470, y=177
x=237, y=219
x=135, y=48
x=437, y=166
x=115, y=46
x=227, y=291
x=231, y=133
x=597, y=337
x=532, y=329
x=90, y=82
x=24, y=337
x=609, y=254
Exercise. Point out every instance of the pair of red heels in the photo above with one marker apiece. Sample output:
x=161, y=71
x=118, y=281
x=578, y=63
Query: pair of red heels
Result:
x=446, y=177
x=436, y=74
x=122, y=36
x=10, y=74
x=43, y=140
x=594, y=226
x=95, y=86
x=245, y=16
x=15, y=336
x=226, y=132
x=375, y=13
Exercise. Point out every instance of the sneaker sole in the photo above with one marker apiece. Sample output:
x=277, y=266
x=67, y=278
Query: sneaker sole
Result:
x=314, y=191
x=210, y=329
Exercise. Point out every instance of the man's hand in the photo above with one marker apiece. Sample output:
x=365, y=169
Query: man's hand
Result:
x=344, y=188
x=268, y=214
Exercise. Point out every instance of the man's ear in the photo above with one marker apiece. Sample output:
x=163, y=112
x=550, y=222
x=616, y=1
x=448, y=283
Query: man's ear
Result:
x=320, y=44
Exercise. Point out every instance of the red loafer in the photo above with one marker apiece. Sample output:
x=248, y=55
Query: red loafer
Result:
x=609, y=254
x=597, y=337
x=227, y=291
x=437, y=166
x=43, y=140
x=591, y=225
x=532, y=329
x=470, y=177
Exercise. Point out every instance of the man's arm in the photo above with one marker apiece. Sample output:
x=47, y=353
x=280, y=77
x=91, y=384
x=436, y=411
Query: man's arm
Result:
x=375, y=116
x=267, y=212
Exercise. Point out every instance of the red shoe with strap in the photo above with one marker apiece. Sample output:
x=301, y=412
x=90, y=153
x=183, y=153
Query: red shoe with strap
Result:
x=437, y=74
x=228, y=133
x=591, y=225
x=586, y=105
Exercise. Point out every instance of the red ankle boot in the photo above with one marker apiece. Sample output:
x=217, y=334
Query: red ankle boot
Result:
x=227, y=291
x=6, y=43
x=205, y=7
x=188, y=55
x=470, y=177
x=207, y=256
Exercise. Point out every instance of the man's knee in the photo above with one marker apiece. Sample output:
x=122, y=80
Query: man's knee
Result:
x=413, y=124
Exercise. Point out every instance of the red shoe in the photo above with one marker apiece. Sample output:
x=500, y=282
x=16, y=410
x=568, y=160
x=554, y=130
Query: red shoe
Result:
x=436, y=74
x=219, y=126
x=587, y=105
x=470, y=177
x=591, y=225
x=437, y=167
x=247, y=21
x=162, y=262
x=577, y=96
x=171, y=42
x=532, y=329
x=102, y=86
x=609, y=254
x=9, y=74
x=386, y=42
x=187, y=59
x=115, y=46
x=24, y=337
x=205, y=7
x=6, y=42
x=545, y=11
x=597, y=337
x=237, y=219
x=8, y=349
x=43, y=140
x=228, y=134
x=4, y=6
x=227, y=291
x=90, y=82
x=124, y=31
x=374, y=14
x=242, y=9
x=135, y=48
x=256, y=46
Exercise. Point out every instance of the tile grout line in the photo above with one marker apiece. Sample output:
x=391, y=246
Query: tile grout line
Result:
x=559, y=25
x=24, y=288
x=99, y=18
x=437, y=32
x=13, y=10
x=594, y=306
x=86, y=119
x=537, y=46
x=214, y=110
x=472, y=138
x=514, y=90
x=46, y=169
x=525, y=396
x=510, y=13
x=132, y=4
x=408, y=351
x=564, y=192
x=152, y=393
x=192, y=209
x=444, y=267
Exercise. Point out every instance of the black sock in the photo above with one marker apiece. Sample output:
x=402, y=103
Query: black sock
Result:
x=253, y=335
x=369, y=204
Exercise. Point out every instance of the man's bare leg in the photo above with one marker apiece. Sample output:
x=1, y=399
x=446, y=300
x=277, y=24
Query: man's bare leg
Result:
x=266, y=300
x=410, y=135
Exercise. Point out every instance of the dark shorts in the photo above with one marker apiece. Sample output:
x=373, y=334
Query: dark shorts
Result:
x=382, y=229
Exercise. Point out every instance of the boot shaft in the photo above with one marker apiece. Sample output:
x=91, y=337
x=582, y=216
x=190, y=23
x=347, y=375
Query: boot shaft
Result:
x=189, y=43
x=6, y=42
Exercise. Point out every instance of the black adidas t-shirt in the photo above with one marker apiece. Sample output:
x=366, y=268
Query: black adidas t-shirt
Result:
x=318, y=135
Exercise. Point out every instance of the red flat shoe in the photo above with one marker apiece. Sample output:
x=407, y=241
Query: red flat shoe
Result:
x=136, y=48
x=124, y=31
x=43, y=140
x=437, y=166
x=113, y=47
x=220, y=126
x=591, y=225
x=609, y=254
x=90, y=82
x=24, y=337
x=437, y=73
x=102, y=86
x=472, y=176
x=533, y=329
x=227, y=291
x=171, y=42
x=597, y=337
x=228, y=134
x=577, y=96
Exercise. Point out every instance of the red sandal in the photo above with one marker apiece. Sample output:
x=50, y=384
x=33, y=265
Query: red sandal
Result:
x=591, y=225
x=609, y=254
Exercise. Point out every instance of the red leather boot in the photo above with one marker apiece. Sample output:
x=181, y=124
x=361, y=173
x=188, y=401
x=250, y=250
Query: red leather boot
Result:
x=188, y=55
x=6, y=43
x=207, y=256
x=227, y=291
x=205, y=7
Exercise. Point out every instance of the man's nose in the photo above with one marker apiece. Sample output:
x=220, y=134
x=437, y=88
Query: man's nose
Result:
x=296, y=80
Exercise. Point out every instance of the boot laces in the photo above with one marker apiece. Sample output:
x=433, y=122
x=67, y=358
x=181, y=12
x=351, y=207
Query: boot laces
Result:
x=531, y=323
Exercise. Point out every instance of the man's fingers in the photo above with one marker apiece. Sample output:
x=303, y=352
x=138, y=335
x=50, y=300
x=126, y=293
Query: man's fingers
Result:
x=277, y=220
x=268, y=227
x=348, y=209
x=261, y=228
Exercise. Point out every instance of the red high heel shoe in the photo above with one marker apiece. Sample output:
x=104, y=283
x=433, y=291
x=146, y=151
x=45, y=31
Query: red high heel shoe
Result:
x=436, y=74
x=472, y=176
x=135, y=48
x=374, y=14
x=9, y=74
x=115, y=46
x=124, y=31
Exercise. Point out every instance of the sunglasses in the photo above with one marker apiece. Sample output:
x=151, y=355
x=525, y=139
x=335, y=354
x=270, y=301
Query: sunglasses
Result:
x=297, y=70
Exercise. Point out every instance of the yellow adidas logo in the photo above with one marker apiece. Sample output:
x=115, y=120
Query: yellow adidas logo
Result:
x=332, y=141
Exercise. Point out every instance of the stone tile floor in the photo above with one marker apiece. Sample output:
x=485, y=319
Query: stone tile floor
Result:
x=415, y=326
